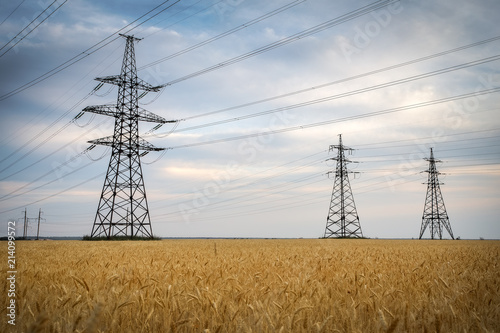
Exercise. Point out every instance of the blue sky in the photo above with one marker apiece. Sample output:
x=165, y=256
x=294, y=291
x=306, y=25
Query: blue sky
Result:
x=263, y=185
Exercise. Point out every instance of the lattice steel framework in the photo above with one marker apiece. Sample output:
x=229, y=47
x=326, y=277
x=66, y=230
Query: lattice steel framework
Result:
x=434, y=216
x=123, y=207
x=342, y=220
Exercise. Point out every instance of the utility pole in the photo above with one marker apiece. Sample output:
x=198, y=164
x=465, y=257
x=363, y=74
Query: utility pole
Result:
x=25, y=226
x=123, y=199
x=342, y=220
x=434, y=216
x=38, y=229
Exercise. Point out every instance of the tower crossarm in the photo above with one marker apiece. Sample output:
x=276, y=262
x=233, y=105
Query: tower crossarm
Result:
x=141, y=145
x=145, y=115
x=433, y=183
x=336, y=147
x=343, y=160
x=137, y=83
x=144, y=145
x=112, y=111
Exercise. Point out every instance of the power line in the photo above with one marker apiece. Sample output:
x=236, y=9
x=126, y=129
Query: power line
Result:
x=40, y=133
x=49, y=155
x=74, y=106
x=463, y=133
x=259, y=134
x=5, y=19
x=419, y=143
x=56, y=194
x=46, y=139
x=225, y=208
x=266, y=192
x=11, y=195
x=36, y=119
x=10, y=48
x=185, y=18
x=226, y=33
x=26, y=27
x=262, y=172
x=255, y=182
x=231, y=189
x=89, y=51
x=293, y=204
x=449, y=149
x=448, y=157
x=347, y=94
x=349, y=118
x=292, y=38
x=225, y=204
x=461, y=66
x=424, y=138
x=362, y=75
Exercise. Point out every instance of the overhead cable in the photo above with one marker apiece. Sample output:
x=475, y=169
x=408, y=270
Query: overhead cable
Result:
x=29, y=32
x=349, y=118
x=12, y=12
x=292, y=38
x=224, y=34
x=346, y=94
x=94, y=48
x=86, y=181
x=362, y=75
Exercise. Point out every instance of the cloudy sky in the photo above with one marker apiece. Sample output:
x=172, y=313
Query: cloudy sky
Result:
x=260, y=89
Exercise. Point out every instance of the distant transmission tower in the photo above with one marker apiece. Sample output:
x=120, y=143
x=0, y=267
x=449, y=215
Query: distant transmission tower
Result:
x=123, y=207
x=342, y=220
x=435, y=216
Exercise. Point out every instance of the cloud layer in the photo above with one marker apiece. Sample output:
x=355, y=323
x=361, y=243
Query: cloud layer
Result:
x=267, y=184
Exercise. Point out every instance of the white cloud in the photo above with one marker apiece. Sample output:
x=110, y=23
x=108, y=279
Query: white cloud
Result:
x=417, y=30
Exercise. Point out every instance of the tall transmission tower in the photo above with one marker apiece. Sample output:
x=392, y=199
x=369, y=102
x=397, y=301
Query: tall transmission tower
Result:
x=342, y=220
x=434, y=216
x=123, y=207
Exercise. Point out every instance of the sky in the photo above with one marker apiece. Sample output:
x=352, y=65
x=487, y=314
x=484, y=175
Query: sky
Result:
x=260, y=90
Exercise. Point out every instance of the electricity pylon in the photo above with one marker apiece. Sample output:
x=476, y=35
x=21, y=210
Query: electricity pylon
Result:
x=434, y=216
x=342, y=220
x=123, y=207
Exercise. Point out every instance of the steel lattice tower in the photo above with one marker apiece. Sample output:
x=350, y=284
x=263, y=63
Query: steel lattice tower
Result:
x=123, y=207
x=342, y=220
x=434, y=216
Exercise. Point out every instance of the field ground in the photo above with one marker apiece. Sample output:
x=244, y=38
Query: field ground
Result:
x=303, y=285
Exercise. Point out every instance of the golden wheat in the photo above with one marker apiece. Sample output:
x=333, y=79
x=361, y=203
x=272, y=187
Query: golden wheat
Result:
x=257, y=286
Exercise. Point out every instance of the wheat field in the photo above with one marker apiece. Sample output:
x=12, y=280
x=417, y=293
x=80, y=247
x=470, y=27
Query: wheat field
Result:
x=303, y=285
